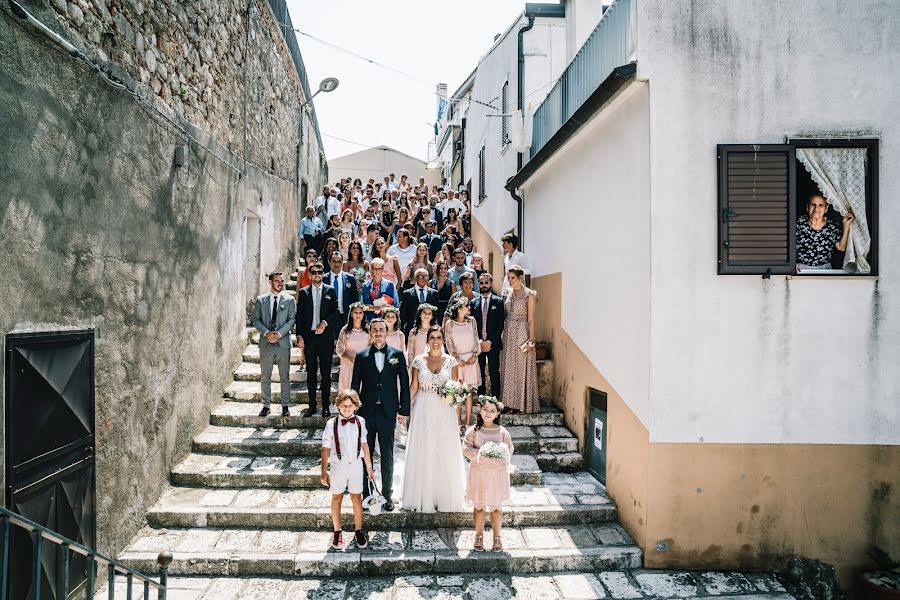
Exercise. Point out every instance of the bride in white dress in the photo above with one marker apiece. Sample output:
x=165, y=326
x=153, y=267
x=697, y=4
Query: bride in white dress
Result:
x=434, y=477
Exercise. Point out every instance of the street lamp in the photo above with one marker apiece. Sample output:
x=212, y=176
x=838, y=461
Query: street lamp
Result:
x=329, y=84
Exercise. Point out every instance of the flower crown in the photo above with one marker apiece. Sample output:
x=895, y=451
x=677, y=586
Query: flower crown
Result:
x=426, y=306
x=482, y=400
x=359, y=305
x=391, y=309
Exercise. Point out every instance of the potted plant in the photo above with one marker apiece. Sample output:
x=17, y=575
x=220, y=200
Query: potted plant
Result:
x=882, y=583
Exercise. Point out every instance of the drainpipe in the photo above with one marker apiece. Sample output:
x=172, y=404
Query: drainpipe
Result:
x=520, y=103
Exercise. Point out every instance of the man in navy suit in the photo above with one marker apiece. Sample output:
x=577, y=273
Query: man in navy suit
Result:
x=378, y=292
x=317, y=316
x=411, y=299
x=434, y=241
x=345, y=289
x=382, y=382
x=490, y=317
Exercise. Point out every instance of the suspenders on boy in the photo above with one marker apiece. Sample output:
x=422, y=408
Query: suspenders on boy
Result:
x=337, y=439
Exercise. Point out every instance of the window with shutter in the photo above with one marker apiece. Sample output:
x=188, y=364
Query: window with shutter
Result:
x=757, y=209
x=481, y=186
x=504, y=110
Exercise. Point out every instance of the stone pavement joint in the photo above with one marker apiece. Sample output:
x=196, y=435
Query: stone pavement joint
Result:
x=545, y=586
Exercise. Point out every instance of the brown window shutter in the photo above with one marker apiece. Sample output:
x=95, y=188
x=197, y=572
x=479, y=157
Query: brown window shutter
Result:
x=756, y=209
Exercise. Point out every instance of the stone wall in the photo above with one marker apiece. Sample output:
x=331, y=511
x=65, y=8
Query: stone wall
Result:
x=195, y=55
x=101, y=229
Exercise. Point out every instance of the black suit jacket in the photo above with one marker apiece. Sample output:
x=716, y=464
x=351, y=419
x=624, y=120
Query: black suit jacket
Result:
x=374, y=386
x=350, y=293
x=434, y=242
x=495, y=321
x=409, y=305
x=328, y=312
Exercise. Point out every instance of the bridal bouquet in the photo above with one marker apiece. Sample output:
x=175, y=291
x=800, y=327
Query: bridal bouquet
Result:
x=493, y=450
x=455, y=392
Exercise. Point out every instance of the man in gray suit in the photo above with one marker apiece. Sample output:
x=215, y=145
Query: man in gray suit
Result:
x=274, y=316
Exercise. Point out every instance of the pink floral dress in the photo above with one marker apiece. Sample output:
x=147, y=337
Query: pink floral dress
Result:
x=487, y=486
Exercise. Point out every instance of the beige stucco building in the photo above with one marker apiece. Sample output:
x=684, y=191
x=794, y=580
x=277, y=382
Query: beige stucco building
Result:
x=375, y=163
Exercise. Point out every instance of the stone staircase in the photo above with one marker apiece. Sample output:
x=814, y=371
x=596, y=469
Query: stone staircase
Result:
x=247, y=502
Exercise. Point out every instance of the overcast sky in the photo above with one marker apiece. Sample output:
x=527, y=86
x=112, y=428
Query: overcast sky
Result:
x=432, y=41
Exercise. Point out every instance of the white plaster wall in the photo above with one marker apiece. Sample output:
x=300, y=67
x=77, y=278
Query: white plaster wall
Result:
x=379, y=162
x=587, y=214
x=739, y=359
x=544, y=48
x=582, y=17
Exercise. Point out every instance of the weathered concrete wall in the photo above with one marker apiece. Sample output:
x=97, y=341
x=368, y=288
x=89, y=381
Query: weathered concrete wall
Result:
x=195, y=55
x=99, y=228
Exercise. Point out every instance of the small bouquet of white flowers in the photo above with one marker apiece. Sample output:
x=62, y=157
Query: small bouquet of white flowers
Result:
x=493, y=451
x=455, y=392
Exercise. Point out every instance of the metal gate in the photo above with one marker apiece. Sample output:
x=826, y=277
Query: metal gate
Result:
x=50, y=451
x=595, y=434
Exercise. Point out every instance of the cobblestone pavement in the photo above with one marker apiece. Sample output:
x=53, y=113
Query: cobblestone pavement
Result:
x=616, y=585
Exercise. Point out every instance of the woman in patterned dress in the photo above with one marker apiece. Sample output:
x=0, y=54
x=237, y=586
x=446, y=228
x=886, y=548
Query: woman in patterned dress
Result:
x=356, y=264
x=354, y=337
x=418, y=335
x=517, y=360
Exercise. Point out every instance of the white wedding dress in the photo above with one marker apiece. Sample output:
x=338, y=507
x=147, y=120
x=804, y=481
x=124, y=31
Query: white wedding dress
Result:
x=434, y=477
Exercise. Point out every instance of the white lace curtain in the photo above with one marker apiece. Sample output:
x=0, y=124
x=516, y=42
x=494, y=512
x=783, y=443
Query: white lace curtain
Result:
x=840, y=174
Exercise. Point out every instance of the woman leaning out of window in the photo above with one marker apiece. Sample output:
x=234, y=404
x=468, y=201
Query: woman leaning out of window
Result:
x=818, y=236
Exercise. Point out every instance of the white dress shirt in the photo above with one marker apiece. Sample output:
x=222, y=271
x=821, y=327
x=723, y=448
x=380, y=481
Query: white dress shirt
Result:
x=317, y=306
x=404, y=257
x=337, y=280
x=350, y=435
x=517, y=258
x=379, y=359
x=333, y=206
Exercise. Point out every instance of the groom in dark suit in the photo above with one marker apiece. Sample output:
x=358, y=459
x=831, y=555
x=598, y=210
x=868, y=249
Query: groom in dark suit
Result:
x=382, y=382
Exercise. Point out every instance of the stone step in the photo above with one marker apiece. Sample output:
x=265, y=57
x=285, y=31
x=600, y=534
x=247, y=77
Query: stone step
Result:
x=571, y=585
x=253, y=372
x=224, y=471
x=251, y=391
x=214, y=552
x=259, y=441
x=244, y=414
x=562, y=500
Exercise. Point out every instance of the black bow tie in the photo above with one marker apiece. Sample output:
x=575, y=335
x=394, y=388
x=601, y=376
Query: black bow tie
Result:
x=350, y=420
x=383, y=349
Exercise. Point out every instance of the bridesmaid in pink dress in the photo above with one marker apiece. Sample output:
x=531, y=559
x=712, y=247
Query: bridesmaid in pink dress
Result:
x=391, y=270
x=354, y=337
x=395, y=337
x=487, y=487
x=418, y=335
x=461, y=335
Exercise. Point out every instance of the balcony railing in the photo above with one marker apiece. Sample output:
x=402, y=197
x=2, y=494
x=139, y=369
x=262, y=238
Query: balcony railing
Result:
x=97, y=568
x=606, y=48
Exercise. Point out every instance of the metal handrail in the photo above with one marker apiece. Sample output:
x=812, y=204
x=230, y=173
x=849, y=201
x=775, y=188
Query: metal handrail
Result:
x=65, y=548
x=606, y=48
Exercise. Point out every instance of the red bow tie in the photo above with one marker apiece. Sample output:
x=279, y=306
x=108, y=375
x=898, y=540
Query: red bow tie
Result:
x=350, y=420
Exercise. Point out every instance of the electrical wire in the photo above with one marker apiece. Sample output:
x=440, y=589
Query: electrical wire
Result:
x=413, y=78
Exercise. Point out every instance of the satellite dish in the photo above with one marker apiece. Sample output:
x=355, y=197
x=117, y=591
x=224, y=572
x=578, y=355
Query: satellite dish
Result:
x=329, y=84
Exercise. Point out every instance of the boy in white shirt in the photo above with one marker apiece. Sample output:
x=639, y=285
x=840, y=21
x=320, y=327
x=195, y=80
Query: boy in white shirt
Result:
x=344, y=444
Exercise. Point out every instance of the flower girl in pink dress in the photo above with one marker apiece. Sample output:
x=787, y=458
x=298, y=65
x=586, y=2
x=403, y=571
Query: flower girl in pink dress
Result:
x=489, y=448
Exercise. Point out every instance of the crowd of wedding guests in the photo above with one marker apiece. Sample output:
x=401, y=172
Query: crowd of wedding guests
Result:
x=400, y=251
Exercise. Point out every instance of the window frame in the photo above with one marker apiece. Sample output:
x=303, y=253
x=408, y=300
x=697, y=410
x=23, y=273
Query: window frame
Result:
x=872, y=178
x=482, y=168
x=504, y=119
x=791, y=144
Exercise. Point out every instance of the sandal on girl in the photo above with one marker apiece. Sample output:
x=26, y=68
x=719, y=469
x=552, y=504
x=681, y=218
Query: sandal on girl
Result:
x=479, y=543
x=498, y=547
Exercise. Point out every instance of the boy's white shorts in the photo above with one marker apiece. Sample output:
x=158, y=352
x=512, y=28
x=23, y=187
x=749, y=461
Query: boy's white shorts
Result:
x=347, y=477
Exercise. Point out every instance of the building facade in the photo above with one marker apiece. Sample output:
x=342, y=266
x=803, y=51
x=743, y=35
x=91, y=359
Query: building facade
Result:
x=152, y=179
x=375, y=163
x=752, y=407
x=535, y=41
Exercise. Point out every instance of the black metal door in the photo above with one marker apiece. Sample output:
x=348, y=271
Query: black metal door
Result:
x=595, y=434
x=50, y=449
